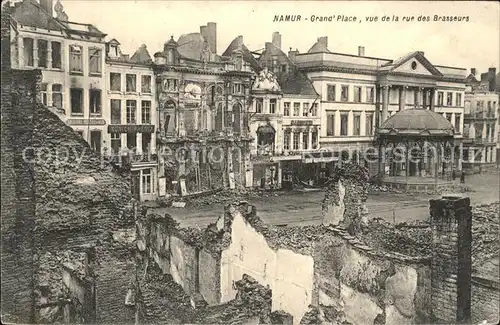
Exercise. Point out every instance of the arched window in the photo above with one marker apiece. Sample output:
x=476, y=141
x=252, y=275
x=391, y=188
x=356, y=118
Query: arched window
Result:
x=237, y=111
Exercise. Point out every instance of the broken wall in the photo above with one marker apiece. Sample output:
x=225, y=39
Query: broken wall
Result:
x=289, y=274
x=370, y=287
x=485, y=304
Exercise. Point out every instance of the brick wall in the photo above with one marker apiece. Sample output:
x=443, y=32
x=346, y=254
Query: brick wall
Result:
x=485, y=300
x=451, y=220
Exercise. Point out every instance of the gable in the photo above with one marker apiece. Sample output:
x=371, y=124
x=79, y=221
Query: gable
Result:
x=414, y=66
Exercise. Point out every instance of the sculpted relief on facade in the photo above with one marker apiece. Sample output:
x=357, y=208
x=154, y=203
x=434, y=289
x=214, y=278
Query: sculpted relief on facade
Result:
x=266, y=81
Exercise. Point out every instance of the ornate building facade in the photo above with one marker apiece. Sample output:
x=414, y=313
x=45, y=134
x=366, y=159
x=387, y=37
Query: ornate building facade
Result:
x=359, y=92
x=203, y=100
x=481, y=121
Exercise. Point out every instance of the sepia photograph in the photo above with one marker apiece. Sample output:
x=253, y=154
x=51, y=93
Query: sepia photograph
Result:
x=250, y=162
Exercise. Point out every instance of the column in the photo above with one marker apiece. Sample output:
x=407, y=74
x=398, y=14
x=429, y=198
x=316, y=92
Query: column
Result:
x=432, y=98
x=402, y=98
x=418, y=95
x=424, y=98
x=385, y=103
x=350, y=123
x=460, y=157
x=35, y=53
x=451, y=223
x=337, y=123
x=362, y=130
x=453, y=119
x=49, y=54
x=309, y=145
x=20, y=51
x=301, y=140
x=138, y=142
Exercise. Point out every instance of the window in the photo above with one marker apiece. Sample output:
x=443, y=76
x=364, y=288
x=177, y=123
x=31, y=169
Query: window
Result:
x=272, y=106
x=286, y=109
x=357, y=125
x=369, y=124
x=449, y=99
x=28, y=47
x=146, y=111
x=330, y=124
x=330, y=93
x=95, y=140
x=314, y=140
x=131, y=110
x=286, y=140
x=170, y=56
x=80, y=132
x=305, y=140
x=57, y=100
x=75, y=59
x=370, y=94
x=95, y=101
x=314, y=110
x=283, y=68
x=344, y=94
x=259, y=102
x=116, y=142
x=76, y=101
x=343, y=123
x=237, y=88
x=305, y=109
x=115, y=80
x=116, y=111
x=56, y=55
x=42, y=53
x=296, y=109
x=448, y=116
x=43, y=92
x=146, y=142
x=131, y=140
x=147, y=181
x=457, y=122
x=459, y=100
x=440, y=98
x=275, y=65
x=146, y=84
x=296, y=136
x=357, y=94
x=172, y=85
x=130, y=83
x=95, y=61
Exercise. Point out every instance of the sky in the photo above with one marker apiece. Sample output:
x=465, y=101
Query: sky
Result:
x=472, y=44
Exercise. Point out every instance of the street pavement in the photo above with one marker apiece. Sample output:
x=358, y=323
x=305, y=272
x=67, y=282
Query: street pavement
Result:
x=303, y=208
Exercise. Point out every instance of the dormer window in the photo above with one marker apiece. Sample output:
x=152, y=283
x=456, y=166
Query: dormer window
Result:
x=113, y=50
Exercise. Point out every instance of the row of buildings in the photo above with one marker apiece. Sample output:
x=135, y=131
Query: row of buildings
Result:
x=193, y=120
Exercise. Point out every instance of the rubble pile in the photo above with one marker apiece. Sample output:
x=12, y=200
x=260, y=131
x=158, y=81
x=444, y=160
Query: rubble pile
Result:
x=311, y=317
x=411, y=239
x=485, y=232
x=252, y=300
x=163, y=300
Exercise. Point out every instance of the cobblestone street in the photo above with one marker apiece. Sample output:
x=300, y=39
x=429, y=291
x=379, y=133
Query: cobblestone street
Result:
x=303, y=208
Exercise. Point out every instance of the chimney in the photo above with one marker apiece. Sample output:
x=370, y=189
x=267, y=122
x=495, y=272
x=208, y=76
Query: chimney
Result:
x=292, y=54
x=212, y=37
x=473, y=71
x=361, y=51
x=451, y=223
x=203, y=31
x=323, y=40
x=277, y=40
x=492, y=79
x=240, y=40
x=48, y=6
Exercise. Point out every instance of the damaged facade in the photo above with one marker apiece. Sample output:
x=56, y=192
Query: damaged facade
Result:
x=204, y=101
x=60, y=260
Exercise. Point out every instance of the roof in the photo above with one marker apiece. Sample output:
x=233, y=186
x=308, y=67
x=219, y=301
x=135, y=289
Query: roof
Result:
x=30, y=13
x=192, y=46
x=141, y=55
x=416, y=122
x=318, y=47
x=298, y=84
x=238, y=45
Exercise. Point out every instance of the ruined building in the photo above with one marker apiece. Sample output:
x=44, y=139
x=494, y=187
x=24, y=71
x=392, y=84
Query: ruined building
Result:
x=204, y=101
x=372, y=273
x=64, y=256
